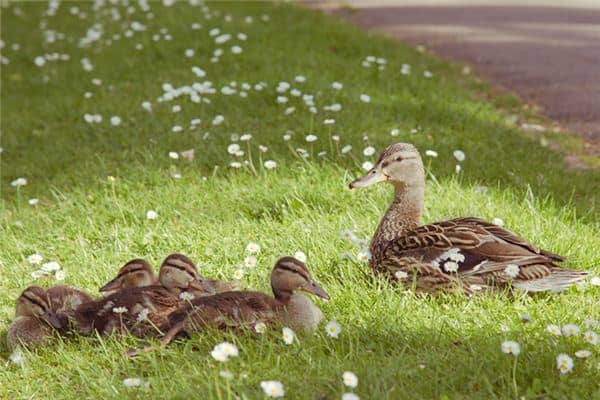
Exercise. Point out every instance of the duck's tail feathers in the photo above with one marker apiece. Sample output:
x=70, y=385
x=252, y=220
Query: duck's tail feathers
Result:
x=558, y=280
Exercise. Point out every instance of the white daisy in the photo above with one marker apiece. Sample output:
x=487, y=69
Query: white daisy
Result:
x=365, y=98
x=346, y=149
x=498, y=221
x=364, y=255
x=272, y=388
x=554, y=330
x=337, y=85
x=50, y=266
x=288, y=335
x=583, y=353
x=510, y=347
x=60, y=275
x=401, y=275
x=132, y=382
x=115, y=120
x=119, y=310
x=350, y=396
x=186, y=296
x=512, y=270
x=311, y=138
x=260, y=327
x=564, y=363
x=367, y=165
x=17, y=357
x=459, y=155
x=451, y=266
x=369, y=151
x=431, y=153
x=591, y=337
x=174, y=155
x=250, y=262
x=238, y=274
x=333, y=329
x=33, y=201
x=395, y=132
x=226, y=374
x=570, y=330
x=300, y=256
x=151, y=214
x=142, y=315
x=252, y=248
x=350, y=379
x=35, y=259
x=270, y=164
x=19, y=182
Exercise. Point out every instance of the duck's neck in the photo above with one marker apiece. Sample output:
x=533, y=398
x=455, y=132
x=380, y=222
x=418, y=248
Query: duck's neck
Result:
x=403, y=214
x=301, y=314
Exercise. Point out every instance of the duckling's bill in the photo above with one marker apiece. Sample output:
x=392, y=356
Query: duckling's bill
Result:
x=314, y=288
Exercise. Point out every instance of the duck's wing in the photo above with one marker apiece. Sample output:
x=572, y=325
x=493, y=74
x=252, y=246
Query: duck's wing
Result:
x=478, y=253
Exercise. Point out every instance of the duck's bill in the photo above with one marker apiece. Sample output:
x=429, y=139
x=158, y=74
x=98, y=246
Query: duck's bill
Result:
x=314, y=288
x=115, y=284
x=370, y=178
x=53, y=319
x=197, y=285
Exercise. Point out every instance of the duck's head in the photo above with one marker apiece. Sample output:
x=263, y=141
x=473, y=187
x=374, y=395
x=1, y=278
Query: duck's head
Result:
x=179, y=273
x=399, y=164
x=34, y=302
x=290, y=275
x=136, y=273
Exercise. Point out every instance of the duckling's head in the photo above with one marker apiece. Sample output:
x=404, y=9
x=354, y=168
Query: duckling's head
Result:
x=33, y=302
x=399, y=164
x=136, y=273
x=289, y=275
x=179, y=273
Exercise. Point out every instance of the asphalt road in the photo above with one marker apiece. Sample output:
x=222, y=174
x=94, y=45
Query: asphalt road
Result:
x=547, y=51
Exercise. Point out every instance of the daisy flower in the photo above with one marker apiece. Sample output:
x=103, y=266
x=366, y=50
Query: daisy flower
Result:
x=346, y=149
x=583, y=353
x=591, y=337
x=142, y=315
x=369, y=151
x=459, y=155
x=132, y=382
x=333, y=329
x=510, y=347
x=272, y=388
x=35, y=259
x=350, y=379
x=395, y=132
x=17, y=357
x=311, y=138
x=401, y=275
x=498, y=221
x=250, y=262
x=260, y=327
x=50, y=266
x=270, y=164
x=350, y=396
x=300, y=256
x=238, y=274
x=367, y=165
x=564, y=363
x=365, y=98
x=288, y=335
x=512, y=270
x=186, y=296
x=570, y=330
x=233, y=148
x=218, y=120
x=595, y=281
x=253, y=248
x=33, y=201
x=431, y=153
x=115, y=120
x=173, y=155
x=119, y=310
x=223, y=351
x=151, y=214
x=60, y=275
x=364, y=255
x=553, y=330
x=19, y=182
x=226, y=374
x=337, y=85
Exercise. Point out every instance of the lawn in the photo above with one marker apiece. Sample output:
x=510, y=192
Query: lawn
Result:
x=96, y=181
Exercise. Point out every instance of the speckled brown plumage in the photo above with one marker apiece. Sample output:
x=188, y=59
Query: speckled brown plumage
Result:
x=242, y=310
x=465, y=253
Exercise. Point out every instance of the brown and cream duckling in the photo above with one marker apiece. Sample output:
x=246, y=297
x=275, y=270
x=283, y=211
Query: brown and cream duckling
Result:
x=35, y=321
x=244, y=309
x=135, y=273
x=139, y=273
x=465, y=253
x=64, y=300
x=141, y=310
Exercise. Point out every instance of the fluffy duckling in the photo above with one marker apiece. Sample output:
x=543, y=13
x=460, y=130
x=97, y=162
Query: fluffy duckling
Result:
x=135, y=273
x=35, y=321
x=243, y=309
x=139, y=273
x=465, y=253
x=141, y=310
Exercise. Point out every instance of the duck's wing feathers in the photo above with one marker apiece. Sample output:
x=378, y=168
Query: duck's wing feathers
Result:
x=478, y=252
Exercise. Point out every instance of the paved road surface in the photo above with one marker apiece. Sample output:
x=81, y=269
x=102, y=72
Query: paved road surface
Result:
x=546, y=52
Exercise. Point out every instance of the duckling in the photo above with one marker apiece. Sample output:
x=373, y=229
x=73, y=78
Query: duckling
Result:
x=139, y=273
x=135, y=273
x=140, y=310
x=465, y=253
x=64, y=300
x=243, y=309
x=35, y=321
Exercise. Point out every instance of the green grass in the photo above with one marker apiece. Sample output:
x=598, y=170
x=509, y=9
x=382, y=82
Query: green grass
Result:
x=92, y=226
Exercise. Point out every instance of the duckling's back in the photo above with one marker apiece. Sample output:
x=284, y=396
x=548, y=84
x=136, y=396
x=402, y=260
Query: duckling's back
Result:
x=27, y=331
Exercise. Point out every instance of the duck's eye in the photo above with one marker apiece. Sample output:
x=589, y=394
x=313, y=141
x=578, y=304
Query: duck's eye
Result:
x=398, y=158
x=385, y=164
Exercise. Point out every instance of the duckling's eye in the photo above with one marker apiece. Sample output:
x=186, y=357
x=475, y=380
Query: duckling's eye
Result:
x=398, y=158
x=385, y=164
